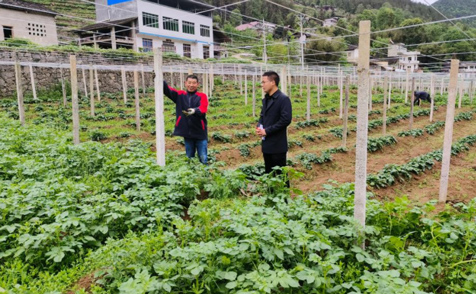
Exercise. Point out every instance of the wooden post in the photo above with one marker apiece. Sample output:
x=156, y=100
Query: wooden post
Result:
x=407, y=85
x=181, y=78
x=254, y=94
x=341, y=100
x=63, y=87
x=97, y=83
x=461, y=93
x=412, y=101
x=442, y=86
x=124, y=84
x=283, y=80
x=137, y=103
x=83, y=75
x=471, y=89
x=432, y=95
x=241, y=80
x=159, y=107
x=384, y=119
x=212, y=80
x=346, y=112
x=360, y=197
x=389, y=91
x=91, y=90
x=289, y=83
x=319, y=89
x=246, y=88
x=308, y=109
x=21, y=107
x=143, y=79
x=172, y=80
x=300, y=85
x=259, y=80
x=450, y=113
x=236, y=73
x=205, y=82
x=190, y=71
x=32, y=79
x=74, y=98
x=222, y=74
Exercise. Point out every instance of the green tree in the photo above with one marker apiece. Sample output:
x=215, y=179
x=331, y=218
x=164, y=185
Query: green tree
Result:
x=325, y=50
x=413, y=35
x=235, y=17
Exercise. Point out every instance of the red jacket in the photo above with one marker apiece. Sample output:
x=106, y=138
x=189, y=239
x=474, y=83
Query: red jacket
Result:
x=193, y=126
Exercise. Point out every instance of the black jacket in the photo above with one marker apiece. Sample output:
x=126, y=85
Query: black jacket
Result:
x=276, y=115
x=192, y=126
x=422, y=95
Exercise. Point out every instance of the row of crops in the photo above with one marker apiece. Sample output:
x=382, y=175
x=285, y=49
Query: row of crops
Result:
x=104, y=218
x=107, y=214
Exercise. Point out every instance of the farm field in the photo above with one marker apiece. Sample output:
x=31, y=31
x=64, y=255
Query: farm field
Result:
x=234, y=144
x=102, y=217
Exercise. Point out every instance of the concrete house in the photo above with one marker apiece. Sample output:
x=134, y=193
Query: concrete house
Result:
x=184, y=27
x=20, y=19
x=406, y=59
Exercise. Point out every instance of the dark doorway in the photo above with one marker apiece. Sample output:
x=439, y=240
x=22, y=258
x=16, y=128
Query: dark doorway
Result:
x=7, y=32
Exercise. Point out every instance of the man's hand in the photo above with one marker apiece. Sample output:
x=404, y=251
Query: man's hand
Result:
x=261, y=132
x=189, y=111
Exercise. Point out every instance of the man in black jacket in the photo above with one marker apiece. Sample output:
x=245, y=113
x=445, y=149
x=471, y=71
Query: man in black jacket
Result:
x=191, y=121
x=276, y=115
x=421, y=95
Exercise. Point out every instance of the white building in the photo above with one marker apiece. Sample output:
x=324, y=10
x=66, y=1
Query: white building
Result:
x=406, y=59
x=176, y=26
x=25, y=20
x=468, y=69
x=330, y=22
x=352, y=54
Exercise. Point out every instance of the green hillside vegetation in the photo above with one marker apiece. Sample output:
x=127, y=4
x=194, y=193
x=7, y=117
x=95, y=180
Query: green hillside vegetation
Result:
x=457, y=8
x=282, y=45
x=74, y=14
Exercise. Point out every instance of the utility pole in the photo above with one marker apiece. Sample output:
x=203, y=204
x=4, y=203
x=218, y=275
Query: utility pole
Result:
x=301, y=41
x=265, y=55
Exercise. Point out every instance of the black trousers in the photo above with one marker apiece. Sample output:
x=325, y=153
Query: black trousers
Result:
x=272, y=160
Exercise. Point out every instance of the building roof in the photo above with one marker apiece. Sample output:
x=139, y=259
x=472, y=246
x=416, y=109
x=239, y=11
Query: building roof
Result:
x=106, y=24
x=254, y=25
x=246, y=26
x=26, y=6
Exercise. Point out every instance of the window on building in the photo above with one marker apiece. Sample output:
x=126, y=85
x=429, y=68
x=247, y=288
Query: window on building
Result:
x=188, y=27
x=147, y=45
x=7, y=32
x=36, y=29
x=187, y=50
x=206, y=52
x=150, y=20
x=204, y=31
x=168, y=46
x=171, y=24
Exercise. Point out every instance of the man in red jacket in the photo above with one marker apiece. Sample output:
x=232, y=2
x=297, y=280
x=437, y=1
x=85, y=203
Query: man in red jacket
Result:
x=191, y=122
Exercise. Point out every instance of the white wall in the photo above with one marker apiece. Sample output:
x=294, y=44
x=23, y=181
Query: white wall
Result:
x=29, y=26
x=117, y=11
x=179, y=38
x=196, y=48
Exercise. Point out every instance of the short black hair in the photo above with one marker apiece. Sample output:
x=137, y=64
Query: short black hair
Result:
x=194, y=77
x=272, y=75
